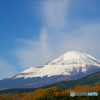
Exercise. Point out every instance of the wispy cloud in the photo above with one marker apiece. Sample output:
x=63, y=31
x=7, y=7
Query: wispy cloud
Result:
x=54, y=13
x=53, y=40
x=34, y=53
x=84, y=39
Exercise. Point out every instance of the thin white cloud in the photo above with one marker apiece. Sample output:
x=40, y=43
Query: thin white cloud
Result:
x=85, y=39
x=34, y=53
x=54, y=13
x=55, y=42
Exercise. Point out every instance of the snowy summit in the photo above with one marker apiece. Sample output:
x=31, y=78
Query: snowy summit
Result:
x=74, y=57
x=72, y=62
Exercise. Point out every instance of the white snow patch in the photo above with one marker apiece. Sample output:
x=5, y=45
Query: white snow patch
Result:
x=63, y=65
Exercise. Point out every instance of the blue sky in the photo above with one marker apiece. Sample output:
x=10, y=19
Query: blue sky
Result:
x=32, y=32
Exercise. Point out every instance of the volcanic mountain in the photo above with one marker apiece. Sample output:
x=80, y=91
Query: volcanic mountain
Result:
x=70, y=66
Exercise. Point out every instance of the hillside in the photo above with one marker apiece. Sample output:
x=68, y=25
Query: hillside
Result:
x=93, y=79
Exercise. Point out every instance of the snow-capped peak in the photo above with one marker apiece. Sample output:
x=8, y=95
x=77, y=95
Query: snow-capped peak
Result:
x=67, y=64
x=74, y=57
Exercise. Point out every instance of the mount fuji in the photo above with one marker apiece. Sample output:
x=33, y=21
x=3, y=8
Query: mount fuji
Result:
x=70, y=66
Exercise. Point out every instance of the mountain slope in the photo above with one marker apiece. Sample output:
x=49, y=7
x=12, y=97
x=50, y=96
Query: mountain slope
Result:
x=64, y=65
x=93, y=79
x=70, y=66
x=74, y=57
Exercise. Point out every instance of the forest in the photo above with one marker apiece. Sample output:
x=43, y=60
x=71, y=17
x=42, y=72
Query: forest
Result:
x=54, y=93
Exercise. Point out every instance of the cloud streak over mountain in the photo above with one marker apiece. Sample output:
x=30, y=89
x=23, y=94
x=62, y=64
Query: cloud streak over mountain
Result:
x=55, y=38
x=47, y=29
